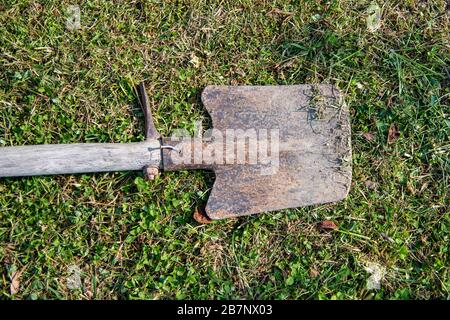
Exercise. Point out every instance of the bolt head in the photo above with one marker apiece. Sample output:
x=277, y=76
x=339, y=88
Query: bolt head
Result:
x=150, y=173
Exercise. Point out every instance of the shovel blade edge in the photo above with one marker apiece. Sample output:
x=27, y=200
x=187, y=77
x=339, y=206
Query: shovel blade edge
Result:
x=308, y=158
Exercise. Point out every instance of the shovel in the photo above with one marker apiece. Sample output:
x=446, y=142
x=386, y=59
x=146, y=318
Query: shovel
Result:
x=270, y=147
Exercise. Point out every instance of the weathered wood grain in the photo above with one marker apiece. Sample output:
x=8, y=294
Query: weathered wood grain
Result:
x=78, y=158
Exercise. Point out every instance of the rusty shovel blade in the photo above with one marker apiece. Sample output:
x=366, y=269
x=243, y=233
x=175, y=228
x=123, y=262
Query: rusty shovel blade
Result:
x=271, y=148
x=289, y=147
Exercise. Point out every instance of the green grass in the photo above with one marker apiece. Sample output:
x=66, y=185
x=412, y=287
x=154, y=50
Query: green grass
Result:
x=133, y=238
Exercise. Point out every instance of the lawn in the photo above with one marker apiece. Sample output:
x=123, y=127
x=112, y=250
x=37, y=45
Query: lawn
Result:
x=119, y=236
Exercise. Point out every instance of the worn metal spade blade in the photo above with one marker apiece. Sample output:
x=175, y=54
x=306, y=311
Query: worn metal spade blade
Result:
x=309, y=129
x=271, y=148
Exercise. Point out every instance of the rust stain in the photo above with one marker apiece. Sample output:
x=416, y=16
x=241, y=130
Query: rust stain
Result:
x=314, y=157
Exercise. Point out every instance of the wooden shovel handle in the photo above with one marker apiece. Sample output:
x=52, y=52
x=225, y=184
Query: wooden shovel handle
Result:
x=78, y=158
